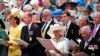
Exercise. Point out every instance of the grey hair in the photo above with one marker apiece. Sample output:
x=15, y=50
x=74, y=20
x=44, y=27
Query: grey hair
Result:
x=86, y=28
x=47, y=10
x=27, y=7
x=86, y=18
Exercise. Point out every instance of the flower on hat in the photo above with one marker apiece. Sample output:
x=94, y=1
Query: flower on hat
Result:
x=15, y=12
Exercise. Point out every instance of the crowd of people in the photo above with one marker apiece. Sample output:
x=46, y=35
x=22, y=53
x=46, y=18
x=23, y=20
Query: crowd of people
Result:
x=61, y=21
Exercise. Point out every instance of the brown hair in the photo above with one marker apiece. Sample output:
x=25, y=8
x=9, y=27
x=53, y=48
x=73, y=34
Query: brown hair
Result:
x=16, y=18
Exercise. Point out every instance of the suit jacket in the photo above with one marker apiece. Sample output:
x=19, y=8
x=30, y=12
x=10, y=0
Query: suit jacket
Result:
x=51, y=7
x=2, y=24
x=89, y=51
x=97, y=36
x=73, y=32
x=46, y=35
x=34, y=48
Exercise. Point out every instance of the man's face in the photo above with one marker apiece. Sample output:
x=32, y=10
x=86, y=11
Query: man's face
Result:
x=45, y=2
x=85, y=35
x=19, y=2
x=65, y=18
x=98, y=7
x=27, y=19
x=46, y=16
x=96, y=18
x=82, y=22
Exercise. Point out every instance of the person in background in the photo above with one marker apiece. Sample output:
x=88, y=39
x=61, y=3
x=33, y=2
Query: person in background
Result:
x=87, y=11
x=28, y=34
x=61, y=4
x=83, y=21
x=2, y=24
x=96, y=27
x=3, y=46
x=98, y=6
x=19, y=4
x=35, y=6
x=14, y=33
x=2, y=7
x=27, y=8
x=6, y=13
x=47, y=20
x=57, y=15
x=72, y=30
x=48, y=5
x=61, y=43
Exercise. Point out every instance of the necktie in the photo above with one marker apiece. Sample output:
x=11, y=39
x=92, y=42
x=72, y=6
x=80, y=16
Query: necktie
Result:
x=65, y=32
x=43, y=27
x=94, y=30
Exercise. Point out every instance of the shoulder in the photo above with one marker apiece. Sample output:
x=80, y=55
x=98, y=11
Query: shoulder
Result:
x=74, y=25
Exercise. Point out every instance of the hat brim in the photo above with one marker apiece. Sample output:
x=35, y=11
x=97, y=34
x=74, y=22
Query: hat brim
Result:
x=60, y=28
x=73, y=4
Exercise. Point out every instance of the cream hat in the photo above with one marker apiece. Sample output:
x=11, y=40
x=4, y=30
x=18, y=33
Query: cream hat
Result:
x=56, y=27
x=15, y=12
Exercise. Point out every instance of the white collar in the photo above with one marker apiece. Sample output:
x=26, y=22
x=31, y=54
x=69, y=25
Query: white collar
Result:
x=29, y=26
x=68, y=24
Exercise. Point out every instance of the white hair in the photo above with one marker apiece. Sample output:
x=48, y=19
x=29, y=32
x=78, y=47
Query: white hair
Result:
x=47, y=10
x=84, y=17
x=86, y=28
x=34, y=2
x=27, y=7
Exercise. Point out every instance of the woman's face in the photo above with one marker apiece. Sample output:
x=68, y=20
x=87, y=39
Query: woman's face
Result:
x=12, y=21
x=57, y=34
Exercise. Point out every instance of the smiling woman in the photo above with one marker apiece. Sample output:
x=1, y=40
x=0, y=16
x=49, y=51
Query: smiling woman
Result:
x=61, y=43
x=14, y=33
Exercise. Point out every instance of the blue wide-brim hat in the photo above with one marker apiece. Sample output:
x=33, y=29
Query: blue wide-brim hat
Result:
x=57, y=13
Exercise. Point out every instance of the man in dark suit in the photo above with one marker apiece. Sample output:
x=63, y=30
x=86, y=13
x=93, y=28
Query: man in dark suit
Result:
x=47, y=5
x=72, y=30
x=29, y=34
x=89, y=45
x=96, y=27
x=46, y=22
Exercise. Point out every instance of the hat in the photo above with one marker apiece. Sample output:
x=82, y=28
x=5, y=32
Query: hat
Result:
x=57, y=13
x=56, y=27
x=72, y=4
x=8, y=4
x=15, y=12
x=81, y=3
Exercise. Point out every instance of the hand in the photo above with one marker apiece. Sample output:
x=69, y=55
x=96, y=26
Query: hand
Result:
x=9, y=43
x=22, y=46
x=5, y=45
x=46, y=50
x=57, y=51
